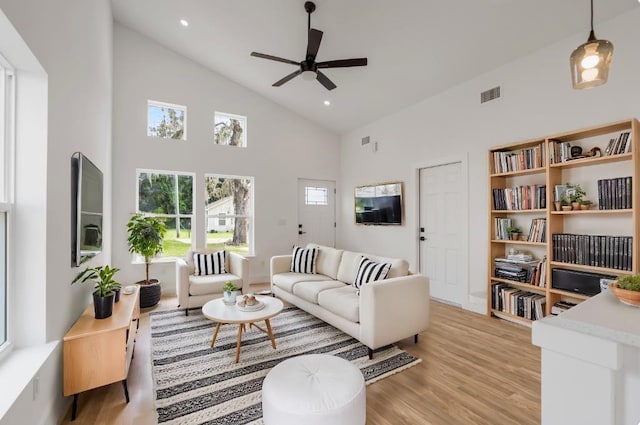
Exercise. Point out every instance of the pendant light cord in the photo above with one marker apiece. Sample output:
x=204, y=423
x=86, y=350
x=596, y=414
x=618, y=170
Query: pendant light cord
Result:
x=591, y=16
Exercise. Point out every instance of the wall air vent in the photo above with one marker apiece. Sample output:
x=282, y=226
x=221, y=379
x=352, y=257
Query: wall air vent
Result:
x=490, y=94
x=365, y=140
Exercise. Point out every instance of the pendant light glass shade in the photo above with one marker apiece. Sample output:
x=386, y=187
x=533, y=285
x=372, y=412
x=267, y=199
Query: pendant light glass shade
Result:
x=590, y=62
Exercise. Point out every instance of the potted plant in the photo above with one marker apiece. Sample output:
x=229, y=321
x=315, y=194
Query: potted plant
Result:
x=104, y=290
x=514, y=232
x=627, y=289
x=575, y=195
x=229, y=292
x=585, y=204
x=146, y=237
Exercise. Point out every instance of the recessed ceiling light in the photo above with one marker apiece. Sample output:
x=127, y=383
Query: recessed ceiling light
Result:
x=184, y=22
x=327, y=103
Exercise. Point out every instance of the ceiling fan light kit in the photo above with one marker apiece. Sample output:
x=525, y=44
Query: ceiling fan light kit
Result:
x=309, y=68
x=590, y=62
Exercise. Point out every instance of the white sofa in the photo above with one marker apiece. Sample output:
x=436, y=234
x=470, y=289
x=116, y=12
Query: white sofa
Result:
x=194, y=291
x=384, y=312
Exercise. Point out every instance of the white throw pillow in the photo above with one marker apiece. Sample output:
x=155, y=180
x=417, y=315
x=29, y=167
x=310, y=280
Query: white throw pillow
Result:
x=304, y=260
x=210, y=263
x=370, y=271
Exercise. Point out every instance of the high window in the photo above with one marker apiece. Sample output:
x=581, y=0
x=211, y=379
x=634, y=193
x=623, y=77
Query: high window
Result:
x=229, y=129
x=168, y=195
x=6, y=191
x=229, y=213
x=166, y=120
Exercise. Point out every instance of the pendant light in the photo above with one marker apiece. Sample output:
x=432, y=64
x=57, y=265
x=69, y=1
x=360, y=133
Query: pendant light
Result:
x=590, y=61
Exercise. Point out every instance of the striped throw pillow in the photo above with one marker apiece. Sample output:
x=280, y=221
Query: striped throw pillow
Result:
x=210, y=263
x=370, y=271
x=304, y=260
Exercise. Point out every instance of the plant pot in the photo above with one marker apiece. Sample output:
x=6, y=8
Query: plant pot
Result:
x=514, y=236
x=117, y=295
x=575, y=205
x=229, y=297
x=103, y=306
x=149, y=293
x=584, y=207
x=566, y=208
x=557, y=205
x=625, y=296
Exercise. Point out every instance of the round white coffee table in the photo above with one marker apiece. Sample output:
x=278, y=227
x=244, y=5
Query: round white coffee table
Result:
x=222, y=313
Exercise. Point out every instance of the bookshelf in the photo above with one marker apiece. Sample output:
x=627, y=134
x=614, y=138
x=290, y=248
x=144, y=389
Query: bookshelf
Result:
x=520, y=173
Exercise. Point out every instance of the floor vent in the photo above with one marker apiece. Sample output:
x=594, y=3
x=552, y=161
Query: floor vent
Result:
x=490, y=94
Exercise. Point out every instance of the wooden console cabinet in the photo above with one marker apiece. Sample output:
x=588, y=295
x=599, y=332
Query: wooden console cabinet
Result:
x=99, y=352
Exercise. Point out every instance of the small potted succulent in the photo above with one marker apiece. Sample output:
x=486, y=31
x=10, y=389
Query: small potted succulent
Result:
x=585, y=204
x=514, y=233
x=627, y=289
x=104, y=290
x=229, y=292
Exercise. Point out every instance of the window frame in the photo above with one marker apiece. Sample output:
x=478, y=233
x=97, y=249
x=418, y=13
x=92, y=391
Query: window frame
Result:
x=250, y=218
x=232, y=116
x=7, y=192
x=160, y=104
x=177, y=216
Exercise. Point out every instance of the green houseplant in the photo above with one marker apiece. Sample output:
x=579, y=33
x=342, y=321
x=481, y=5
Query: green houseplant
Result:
x=104, y=291
x=627, y=289
x=146, y=238
x=575, y=195
x=514, y=232
x=229, y=292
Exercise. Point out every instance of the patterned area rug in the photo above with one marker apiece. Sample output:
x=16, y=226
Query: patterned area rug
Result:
x=195, y=384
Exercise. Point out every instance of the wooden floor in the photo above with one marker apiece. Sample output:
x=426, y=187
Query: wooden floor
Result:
x=474, y=370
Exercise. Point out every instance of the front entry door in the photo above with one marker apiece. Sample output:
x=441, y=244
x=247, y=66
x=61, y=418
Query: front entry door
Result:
x=316, y=212
x=440, y=218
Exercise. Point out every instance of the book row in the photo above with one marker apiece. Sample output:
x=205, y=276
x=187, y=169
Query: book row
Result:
x=538, y=230
x=614, y=194
x=618, y=145
x=531, y=272
x=517, y=302
x=613, y=252
x=520, y=198
x=522, y=159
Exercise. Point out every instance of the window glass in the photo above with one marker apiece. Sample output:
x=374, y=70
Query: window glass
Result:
x=229, y=213
x=170, y=196
x=316, y=196
x=166, y=121
x=230, y=130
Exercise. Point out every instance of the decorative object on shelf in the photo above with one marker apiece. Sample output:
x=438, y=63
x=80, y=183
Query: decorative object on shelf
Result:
x=514, y=233
x=229, y=293
x=574, y=195
x=576, y=152
x=585, y=204
x=104, y=290
x=146, y=237
x=590, y=62
x=627, y=289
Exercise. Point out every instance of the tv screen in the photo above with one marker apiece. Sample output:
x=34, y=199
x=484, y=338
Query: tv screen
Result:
x=379, y=204
x=86, y=209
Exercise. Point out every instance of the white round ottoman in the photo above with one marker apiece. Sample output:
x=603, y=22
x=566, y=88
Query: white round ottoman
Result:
x=314, y=389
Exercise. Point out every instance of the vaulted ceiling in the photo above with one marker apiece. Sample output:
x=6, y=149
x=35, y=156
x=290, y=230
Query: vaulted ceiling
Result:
x=415, y=48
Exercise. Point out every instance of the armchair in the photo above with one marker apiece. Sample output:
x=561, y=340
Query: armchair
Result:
x=194, y=291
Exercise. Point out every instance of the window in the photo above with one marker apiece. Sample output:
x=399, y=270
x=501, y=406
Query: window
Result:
x=316, y=196
x=166, y=121
x=229, y=129
x=229, y=213
x=169, y=195
x=6, y=191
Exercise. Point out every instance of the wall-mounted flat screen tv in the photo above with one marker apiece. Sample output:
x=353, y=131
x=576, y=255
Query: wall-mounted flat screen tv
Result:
x=86, y=209
x=379, y=204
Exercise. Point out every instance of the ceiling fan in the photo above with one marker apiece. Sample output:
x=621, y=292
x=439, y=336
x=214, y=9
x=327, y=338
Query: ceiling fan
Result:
x=309, y=68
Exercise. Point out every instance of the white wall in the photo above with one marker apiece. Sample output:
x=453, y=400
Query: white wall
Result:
x=72, y=40
x=282, y=147
x=537, y=100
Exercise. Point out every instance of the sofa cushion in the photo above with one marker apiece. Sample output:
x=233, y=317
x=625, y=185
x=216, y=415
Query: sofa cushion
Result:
x=328, y=260
x=341, y=301
x=209, y=263
x=349, y=267
x=370, y=271
x=303, y=260
x=211, y=284
x=399, y=266
x=287, y=281
x=309, y=290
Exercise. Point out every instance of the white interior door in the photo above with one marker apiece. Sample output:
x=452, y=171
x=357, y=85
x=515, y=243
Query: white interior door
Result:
x=441, y=258
x=316, y=212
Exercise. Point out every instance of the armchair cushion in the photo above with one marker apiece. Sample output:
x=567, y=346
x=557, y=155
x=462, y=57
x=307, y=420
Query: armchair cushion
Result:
x=211, y=284
x=209, y=263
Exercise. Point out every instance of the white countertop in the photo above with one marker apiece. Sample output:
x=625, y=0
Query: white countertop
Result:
x=603, y=316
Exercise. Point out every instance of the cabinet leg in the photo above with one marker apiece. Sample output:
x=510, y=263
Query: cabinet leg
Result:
x=126, y=390
x=415, y=339
x=74, y=407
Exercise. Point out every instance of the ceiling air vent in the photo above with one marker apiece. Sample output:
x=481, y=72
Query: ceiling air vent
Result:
x=490, y=94
x=365, y=140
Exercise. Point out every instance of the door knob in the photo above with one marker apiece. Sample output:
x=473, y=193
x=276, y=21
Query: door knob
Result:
x=300, y=232
x=422, y=238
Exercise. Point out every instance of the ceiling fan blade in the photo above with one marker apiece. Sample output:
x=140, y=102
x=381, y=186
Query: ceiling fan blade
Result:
x=313, y=44
x=287, y=78
x=325, y=81
x=343, y=63
x=274, y=58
